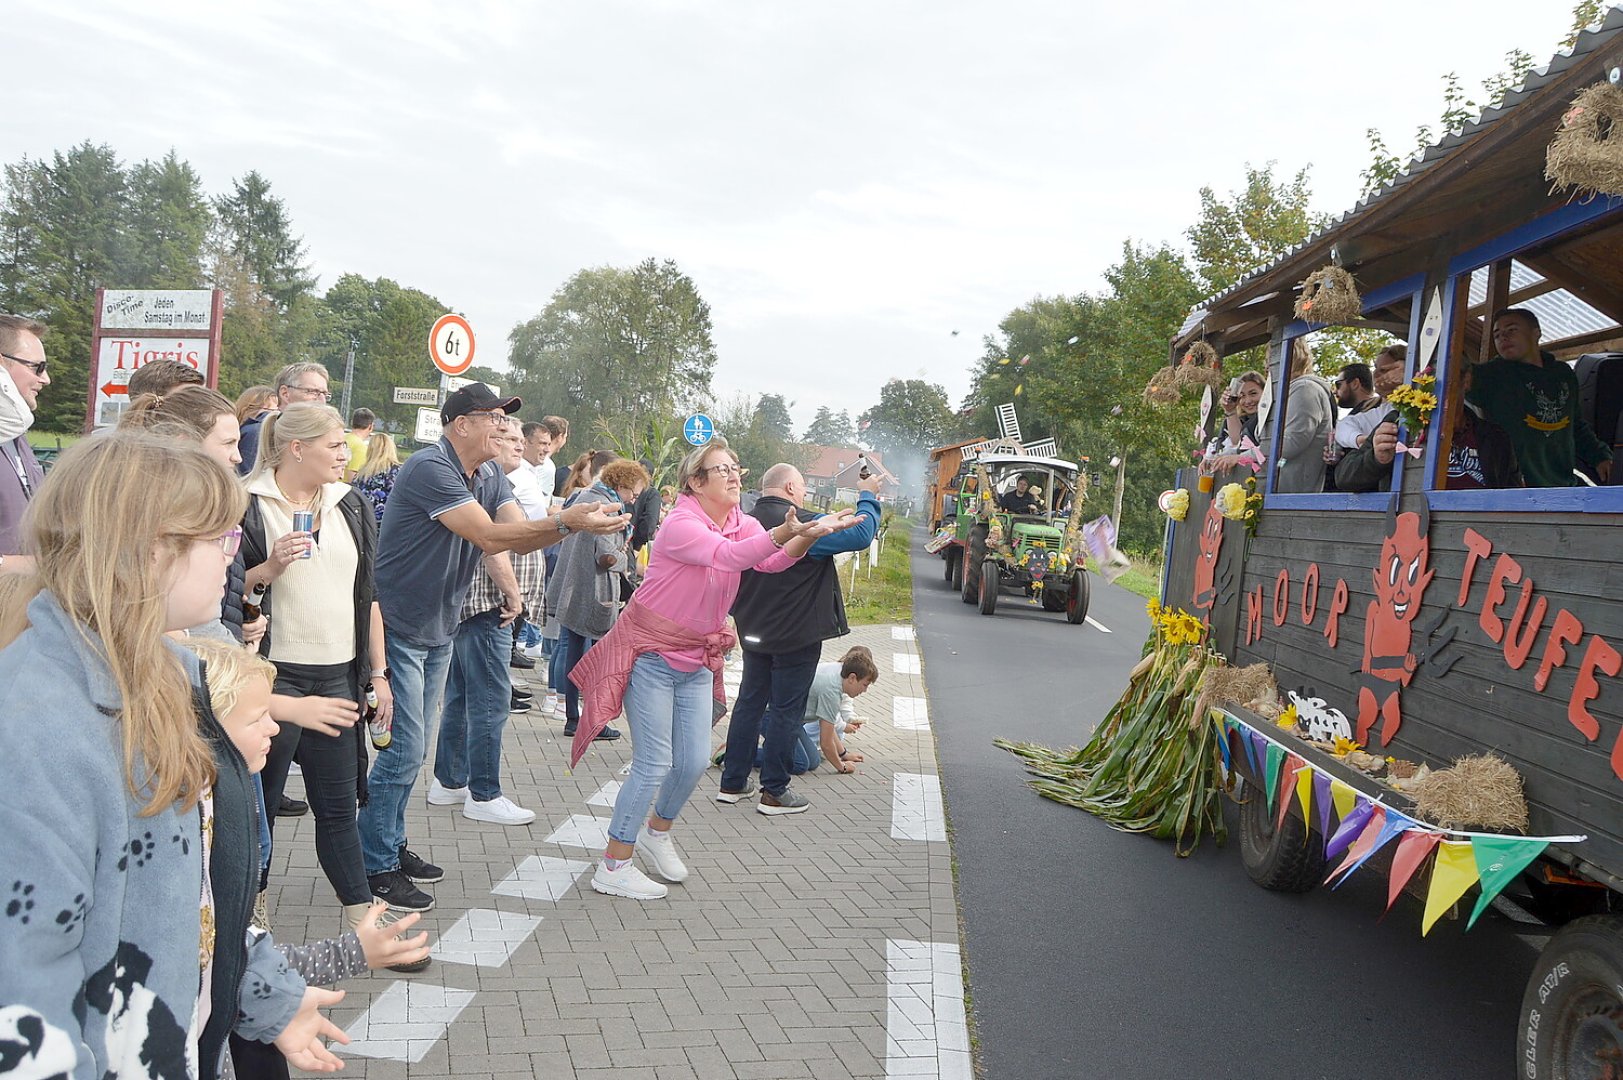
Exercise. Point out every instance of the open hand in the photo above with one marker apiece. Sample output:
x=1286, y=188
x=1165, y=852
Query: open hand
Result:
x=384, y=943
x=329, y=716
x=838, y=521
x=300, y=1042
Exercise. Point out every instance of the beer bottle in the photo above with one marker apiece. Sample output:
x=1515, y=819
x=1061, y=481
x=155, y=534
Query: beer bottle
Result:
x=252, y=603
x=381, y=735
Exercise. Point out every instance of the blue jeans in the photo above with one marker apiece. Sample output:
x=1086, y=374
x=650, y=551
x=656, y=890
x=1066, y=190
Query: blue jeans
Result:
x=529, y=634
x=669, y=713
x=417, y=674
x=573, y=646
x=806, y=754
x=783, y=681
x=478, y=693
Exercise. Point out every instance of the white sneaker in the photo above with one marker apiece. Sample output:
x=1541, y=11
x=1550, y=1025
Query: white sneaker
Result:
x=501, y=811
x=553, y=701
x=660, y=851
x=535, y=652
x=440, y=795
x=627, y=881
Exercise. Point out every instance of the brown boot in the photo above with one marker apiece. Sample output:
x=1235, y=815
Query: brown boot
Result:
x=354, y=913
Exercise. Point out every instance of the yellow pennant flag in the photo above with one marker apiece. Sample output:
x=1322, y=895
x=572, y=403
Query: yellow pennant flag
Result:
x=1343, y=796
x=1452, y=873
x=1304, y=792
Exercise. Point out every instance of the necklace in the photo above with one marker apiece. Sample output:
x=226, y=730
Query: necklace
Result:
x=297, y=504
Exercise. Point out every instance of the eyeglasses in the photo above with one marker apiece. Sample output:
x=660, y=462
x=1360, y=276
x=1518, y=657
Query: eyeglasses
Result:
x=36, y=368
x=725, y=470
x=497, y=417
x=312, y=393
x=230, y=542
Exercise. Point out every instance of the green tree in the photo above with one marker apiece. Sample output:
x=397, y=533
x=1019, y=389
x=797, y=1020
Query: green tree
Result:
x=629, y=347
x=757, y=443
x=772, y=413
x=912, y=415
x=257, y=229
x=389, y=325
x=830, y=428
x=168, y=224
x=1237, y=236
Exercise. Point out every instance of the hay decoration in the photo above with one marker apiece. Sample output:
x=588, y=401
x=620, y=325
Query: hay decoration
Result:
x=1162, y=389
x=1201, y=354
x=1587, y=151
x=1329, y=295
x=1185, y=376
x=1481, y=792
x=1225, y=685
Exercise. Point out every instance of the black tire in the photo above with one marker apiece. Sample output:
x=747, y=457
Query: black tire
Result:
x=1076, y=598
x=989, y=586
x=1053, y=597
x=1285, y=860
x=955, y=567
x=970, y=572
x=1572, y=1010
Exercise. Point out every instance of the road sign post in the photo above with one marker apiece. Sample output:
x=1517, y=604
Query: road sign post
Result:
x=698, y=429
x=451, y=344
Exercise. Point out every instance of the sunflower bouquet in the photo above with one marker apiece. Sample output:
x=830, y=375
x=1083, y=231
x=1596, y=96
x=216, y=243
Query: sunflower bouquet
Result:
x=1415, y=403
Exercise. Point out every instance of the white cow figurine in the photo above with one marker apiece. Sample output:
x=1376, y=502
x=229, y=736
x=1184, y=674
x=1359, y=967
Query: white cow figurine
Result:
x=1323, y=723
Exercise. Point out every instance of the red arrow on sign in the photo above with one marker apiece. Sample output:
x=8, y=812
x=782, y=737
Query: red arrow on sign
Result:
x=112, y=389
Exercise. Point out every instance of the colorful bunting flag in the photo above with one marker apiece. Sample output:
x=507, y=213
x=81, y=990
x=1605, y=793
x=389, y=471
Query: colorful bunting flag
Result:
x=1274, y=754
x=1250, y=753
x=1394, y=824
x=1345, y=797
x=1287, y=784
x=1367, y=839
x=1223, y=743
x=1352, y=823
x=1304, y=790
x=1413, y=847
x=1259, y=752
x=1452, y=873
x=1498, y=860
x=1321, y=798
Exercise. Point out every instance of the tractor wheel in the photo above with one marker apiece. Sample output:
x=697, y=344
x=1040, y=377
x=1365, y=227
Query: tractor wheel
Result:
x=989, y=586
x=955, y=568
x=974, y=553
x=1076, y=597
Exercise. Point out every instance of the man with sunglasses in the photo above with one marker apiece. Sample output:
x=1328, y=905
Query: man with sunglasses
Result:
x=22, y=375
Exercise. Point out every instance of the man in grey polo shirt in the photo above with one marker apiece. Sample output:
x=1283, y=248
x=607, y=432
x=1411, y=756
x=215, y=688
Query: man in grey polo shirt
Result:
x=450, y=507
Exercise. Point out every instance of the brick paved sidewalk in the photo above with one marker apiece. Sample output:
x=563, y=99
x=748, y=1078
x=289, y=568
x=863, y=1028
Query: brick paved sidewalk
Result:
x=821, y=944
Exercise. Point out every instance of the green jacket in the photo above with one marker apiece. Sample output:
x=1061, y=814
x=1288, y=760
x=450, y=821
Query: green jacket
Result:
x=1539, y=409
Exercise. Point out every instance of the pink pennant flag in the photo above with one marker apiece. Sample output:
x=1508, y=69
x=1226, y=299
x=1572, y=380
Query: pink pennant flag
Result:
x=1413, y=848
x=1287, y=786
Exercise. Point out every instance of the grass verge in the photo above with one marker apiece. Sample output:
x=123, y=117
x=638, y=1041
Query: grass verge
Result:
x=884, y=594
x=1143, y=577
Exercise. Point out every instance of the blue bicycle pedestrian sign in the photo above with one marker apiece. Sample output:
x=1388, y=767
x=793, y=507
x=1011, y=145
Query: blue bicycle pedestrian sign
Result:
x=698, y=429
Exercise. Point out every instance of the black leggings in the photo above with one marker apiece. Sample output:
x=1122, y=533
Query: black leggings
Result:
x=331, y=765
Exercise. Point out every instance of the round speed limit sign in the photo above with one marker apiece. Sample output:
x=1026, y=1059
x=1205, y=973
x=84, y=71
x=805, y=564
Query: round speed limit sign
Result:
x=450, y=343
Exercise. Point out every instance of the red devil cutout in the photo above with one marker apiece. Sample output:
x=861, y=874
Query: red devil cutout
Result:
x=1210, y=546
x=1401, y=578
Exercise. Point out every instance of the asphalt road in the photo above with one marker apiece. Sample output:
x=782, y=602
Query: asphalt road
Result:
x=1093, y=953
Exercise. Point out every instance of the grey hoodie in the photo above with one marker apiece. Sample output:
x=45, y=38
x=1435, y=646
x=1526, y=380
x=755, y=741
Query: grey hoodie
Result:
x=99, y=918
x=1310, y=417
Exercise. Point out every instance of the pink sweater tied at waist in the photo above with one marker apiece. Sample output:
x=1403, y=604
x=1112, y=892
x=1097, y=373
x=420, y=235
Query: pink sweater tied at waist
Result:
x=604, y=672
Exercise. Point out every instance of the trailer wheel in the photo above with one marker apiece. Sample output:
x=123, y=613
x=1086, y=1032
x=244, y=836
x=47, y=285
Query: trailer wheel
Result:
x=1285, y=860
x=1076, y=600
x=955, y=568
x=989, y=586
x=970, y=572
x=1572, y=1010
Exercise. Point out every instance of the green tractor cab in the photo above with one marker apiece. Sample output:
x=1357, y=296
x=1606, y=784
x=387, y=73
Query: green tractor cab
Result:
x=1018, y=526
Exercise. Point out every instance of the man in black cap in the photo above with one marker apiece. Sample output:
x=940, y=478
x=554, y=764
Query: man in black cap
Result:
x=450, y=507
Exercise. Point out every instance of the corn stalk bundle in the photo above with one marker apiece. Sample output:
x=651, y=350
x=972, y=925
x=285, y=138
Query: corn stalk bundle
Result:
x=1152, y=766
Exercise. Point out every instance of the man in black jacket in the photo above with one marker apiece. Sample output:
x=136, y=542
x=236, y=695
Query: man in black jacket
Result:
x=783, y=620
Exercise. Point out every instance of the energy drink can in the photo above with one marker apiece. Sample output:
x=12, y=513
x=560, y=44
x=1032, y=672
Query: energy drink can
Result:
x=305, y=521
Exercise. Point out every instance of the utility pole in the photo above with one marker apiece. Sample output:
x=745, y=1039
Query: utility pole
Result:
x=1121, y=482
x=349, y=377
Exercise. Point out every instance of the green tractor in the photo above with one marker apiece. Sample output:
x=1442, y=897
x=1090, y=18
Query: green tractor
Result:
x=1019, y=526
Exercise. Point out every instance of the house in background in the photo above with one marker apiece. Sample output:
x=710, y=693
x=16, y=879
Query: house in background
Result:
x=834, y=469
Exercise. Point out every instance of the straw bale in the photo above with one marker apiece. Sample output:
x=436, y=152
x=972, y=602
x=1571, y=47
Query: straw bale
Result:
x=1587, y=151
x=1481, y=792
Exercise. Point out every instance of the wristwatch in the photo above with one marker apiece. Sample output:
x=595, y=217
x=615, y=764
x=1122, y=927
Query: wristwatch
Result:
x=563, y=530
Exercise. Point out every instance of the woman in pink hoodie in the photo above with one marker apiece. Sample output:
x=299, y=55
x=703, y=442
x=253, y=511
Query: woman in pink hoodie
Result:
x=662, y=660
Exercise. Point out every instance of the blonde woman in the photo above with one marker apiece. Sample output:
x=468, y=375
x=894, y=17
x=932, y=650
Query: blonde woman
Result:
x=326, y=633
x=662, y=659
x=103, y=872
x=375, y=478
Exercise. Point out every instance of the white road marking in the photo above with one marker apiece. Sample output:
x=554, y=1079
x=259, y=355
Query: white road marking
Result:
x=910, y=713
x=903, y=663
x=582, y=830
x=926, y=1032
x=485, y=937
x=1096, y=624
x=542, y=877
x=405, y=1021
x=605, y=795
x=916, y=812
x=903, y=633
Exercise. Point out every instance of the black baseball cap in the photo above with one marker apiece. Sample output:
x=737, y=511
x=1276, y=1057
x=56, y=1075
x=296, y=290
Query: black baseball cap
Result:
x=477, y=397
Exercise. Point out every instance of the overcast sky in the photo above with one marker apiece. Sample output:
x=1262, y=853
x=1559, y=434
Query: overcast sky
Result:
x=848, y=183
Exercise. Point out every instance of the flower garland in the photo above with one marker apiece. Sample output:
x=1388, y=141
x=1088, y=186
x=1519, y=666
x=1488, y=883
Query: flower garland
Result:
x=1240, y=502
x=1175, y=504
